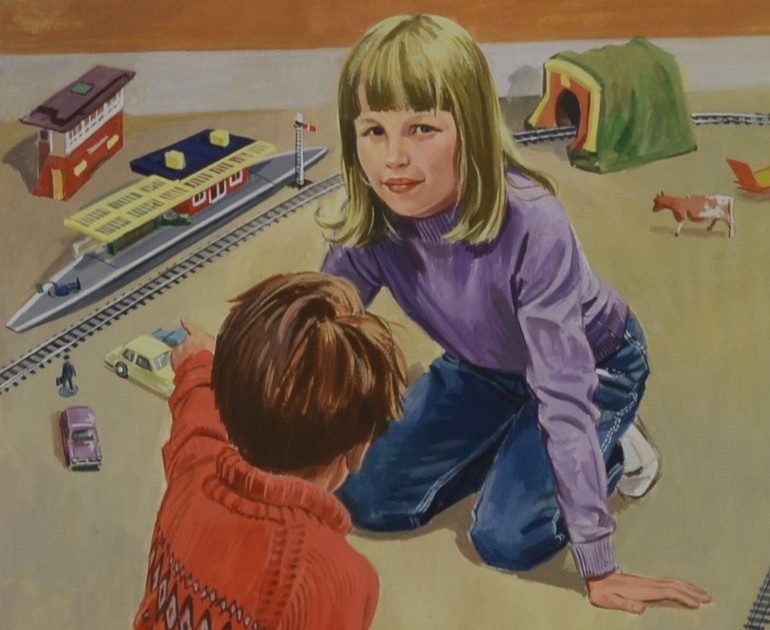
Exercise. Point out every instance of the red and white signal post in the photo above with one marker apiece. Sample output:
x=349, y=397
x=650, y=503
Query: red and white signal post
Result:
x=299, y=157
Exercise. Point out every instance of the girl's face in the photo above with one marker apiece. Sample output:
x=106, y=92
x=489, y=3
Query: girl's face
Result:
x=409, y=158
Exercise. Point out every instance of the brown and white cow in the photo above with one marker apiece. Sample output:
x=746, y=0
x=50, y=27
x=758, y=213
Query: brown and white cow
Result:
x=698, y=208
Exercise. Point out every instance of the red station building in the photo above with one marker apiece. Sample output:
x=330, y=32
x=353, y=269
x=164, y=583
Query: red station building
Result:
x=79, y=127
x=199, y=155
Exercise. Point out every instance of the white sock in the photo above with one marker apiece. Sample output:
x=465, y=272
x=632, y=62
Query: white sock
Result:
x=632, y=460
x=641, y=466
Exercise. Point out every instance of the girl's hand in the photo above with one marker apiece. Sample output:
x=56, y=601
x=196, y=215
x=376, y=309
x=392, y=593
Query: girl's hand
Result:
x=632, y=593
x=197, y=339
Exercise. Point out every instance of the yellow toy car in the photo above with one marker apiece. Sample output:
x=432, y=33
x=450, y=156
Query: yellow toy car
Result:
x=145, y=360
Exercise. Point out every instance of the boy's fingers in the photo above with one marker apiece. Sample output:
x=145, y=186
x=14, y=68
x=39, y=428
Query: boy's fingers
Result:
x=190, y=326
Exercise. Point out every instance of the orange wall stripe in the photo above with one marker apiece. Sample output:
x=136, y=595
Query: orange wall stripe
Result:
x=73, y=26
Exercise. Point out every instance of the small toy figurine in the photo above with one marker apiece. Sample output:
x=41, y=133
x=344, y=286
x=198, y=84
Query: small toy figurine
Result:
x=172, y=218
x=64, y=381
x=698, y=208
x=58, y=290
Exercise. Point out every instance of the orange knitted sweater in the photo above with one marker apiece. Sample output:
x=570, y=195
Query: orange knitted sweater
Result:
x=237, y=548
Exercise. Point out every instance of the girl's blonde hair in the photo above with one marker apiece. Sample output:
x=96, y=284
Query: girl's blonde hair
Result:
x=426, y=63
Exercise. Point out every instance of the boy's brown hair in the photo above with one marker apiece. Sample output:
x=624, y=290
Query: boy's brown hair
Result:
x=302, y=373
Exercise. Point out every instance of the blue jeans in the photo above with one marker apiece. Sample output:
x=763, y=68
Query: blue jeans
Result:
x=466, y=429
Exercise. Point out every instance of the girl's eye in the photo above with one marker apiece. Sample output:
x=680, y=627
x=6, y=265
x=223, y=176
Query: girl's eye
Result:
x=423, y=129
x=375, y=130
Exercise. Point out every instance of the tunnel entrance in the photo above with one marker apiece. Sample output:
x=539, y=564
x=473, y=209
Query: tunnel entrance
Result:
x=567, y=109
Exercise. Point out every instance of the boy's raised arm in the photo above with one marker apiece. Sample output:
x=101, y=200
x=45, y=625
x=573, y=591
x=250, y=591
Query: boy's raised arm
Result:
x=196, y=430
x=197, y=339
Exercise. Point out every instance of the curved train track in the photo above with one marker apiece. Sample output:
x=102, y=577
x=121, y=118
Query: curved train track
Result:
x=40, y=356
x=538, y=136
x=37, y=358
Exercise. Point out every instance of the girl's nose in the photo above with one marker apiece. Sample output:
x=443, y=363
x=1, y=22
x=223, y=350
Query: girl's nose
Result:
x=396, y=155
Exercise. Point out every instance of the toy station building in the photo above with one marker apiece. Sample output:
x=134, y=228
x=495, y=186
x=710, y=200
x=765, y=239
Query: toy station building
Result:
x=182, y=179
x=198, y=154
x=79, y=127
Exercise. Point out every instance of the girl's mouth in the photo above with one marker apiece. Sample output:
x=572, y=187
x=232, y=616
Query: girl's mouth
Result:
x=400, y=185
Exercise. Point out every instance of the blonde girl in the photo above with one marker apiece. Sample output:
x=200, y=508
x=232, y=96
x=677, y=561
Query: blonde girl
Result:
x=532, y=405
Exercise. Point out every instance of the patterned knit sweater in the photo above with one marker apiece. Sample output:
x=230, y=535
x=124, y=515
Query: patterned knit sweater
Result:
x=237, y=548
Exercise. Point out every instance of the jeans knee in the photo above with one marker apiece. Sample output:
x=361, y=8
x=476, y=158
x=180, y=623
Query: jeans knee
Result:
x=645, y=373
x=379, y=521
x=508, y=549
x=377, y=516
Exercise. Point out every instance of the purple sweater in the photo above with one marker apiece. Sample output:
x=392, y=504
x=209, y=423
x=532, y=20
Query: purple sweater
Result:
x=528, y=302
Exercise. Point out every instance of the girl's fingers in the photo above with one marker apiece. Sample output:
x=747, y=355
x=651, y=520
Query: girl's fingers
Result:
x=613, y=601
x=694, y=590
x=683, y=593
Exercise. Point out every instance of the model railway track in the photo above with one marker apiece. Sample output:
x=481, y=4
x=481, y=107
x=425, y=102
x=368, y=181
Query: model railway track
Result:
x=538, y=136
x=730, y=119
x=58, y=345
x=34, y=360
x=760, y=611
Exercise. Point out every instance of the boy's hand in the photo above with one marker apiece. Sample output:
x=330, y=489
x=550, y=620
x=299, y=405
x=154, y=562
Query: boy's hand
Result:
x=632, y=593
x=197, y=340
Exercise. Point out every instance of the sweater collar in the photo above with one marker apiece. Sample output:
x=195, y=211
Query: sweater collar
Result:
x=431, y=229
x=281, y=491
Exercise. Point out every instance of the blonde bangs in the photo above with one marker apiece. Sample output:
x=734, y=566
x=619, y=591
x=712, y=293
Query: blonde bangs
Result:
x=399, y=75
x=427, y=63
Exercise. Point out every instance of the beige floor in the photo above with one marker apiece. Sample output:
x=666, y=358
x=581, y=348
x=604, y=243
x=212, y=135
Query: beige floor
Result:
x=73, y=546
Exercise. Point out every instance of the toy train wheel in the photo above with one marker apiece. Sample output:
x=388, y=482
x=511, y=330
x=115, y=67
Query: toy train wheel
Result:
x=121, y=369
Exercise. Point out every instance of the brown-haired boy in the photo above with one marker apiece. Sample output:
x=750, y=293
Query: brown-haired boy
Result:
x=249, y=534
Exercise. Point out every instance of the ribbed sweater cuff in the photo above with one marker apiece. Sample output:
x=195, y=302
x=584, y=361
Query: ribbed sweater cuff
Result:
x=596, y=558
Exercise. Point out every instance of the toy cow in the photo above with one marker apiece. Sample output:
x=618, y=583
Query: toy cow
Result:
x=698, y=208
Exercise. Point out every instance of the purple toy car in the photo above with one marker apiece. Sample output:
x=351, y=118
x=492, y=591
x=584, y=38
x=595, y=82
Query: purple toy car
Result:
x=79, y=438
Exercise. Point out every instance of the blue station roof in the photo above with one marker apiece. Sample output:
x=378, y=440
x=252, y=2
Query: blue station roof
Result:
x=198, y=151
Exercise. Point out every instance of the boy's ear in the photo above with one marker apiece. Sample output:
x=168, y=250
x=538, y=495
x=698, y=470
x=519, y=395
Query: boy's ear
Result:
x=354, y=457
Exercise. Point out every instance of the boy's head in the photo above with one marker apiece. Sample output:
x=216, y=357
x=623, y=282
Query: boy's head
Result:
x=302, y=373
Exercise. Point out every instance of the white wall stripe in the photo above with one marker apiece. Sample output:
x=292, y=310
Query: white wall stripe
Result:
x=183, y=82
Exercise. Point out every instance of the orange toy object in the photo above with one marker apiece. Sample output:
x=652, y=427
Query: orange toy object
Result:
x=752, y=181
